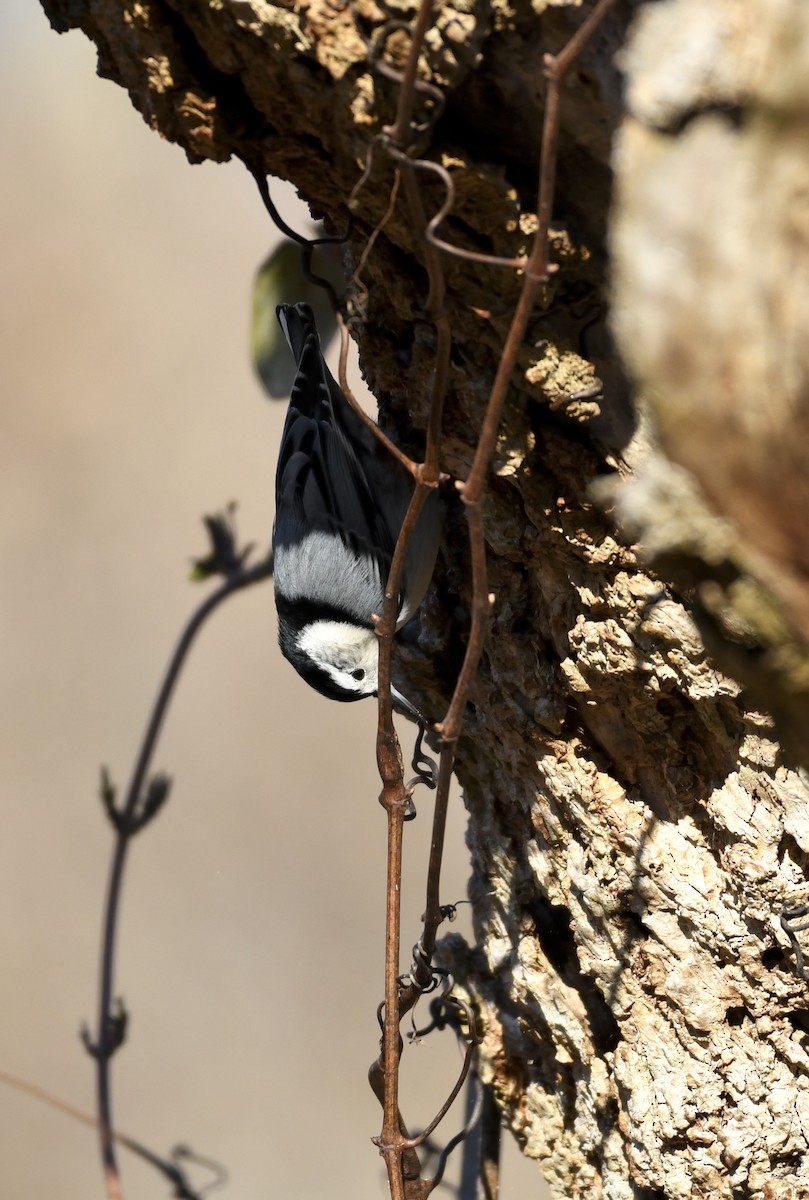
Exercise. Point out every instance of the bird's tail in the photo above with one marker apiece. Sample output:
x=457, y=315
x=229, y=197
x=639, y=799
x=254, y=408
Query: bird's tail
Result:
x=298, y=324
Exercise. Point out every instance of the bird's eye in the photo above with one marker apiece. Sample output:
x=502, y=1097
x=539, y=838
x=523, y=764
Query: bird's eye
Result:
x=359, y=674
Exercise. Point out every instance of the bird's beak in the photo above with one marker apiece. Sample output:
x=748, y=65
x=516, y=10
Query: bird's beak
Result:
x=406, y=706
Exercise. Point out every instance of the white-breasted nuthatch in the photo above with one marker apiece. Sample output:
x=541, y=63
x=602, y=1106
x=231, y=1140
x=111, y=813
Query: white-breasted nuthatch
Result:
x=341, y=499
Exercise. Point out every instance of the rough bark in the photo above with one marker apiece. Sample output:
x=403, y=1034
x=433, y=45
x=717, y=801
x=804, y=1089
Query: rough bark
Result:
x=635, y=827
x=711, y=241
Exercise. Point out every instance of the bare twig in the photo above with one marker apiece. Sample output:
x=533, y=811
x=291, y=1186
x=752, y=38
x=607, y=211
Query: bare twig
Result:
x=307, y=244
x=361, y=302
x=450, y=1100
x=795, y=920
x=480, y=1175
x=392, y=1141
x=365, y=417
x=127, y=821
x=489, y=260
x=400, y=130
x=167, y=1167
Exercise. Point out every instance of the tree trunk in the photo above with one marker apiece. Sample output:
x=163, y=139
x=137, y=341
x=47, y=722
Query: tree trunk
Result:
x=635, y=828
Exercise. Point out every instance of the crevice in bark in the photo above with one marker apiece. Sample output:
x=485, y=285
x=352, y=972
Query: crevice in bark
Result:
x=773, y=958
x=234, y=107
x=789, y=848
x=555, y=936
x=736, y=1015
x=734, y=114
x=799, y=1019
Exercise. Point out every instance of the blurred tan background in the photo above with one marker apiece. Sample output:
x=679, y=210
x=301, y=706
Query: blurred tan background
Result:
x=251, y=944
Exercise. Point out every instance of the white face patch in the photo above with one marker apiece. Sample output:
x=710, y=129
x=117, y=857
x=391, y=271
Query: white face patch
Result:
x=349, y=654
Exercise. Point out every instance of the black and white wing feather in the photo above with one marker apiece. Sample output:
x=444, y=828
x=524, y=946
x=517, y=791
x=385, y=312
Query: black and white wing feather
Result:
x=321, y=481
x=339, y=505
